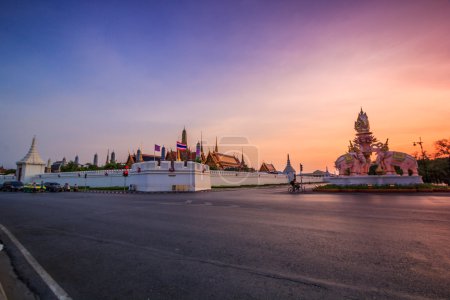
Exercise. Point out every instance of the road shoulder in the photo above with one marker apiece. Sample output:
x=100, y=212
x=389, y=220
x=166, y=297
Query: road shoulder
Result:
x=11, y=287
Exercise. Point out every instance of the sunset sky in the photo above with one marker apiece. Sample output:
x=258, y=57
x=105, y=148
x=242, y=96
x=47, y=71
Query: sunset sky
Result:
x=291, y=76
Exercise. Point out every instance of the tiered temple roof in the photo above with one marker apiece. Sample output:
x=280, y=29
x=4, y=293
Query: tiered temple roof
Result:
x=132, y=158
x=268, y=168
x=32, y=157
x=222, y=161
x=288, y=168
x=184, y=155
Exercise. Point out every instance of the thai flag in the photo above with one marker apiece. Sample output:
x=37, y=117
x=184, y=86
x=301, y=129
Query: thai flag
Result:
x=181, y=147
x=157, y=147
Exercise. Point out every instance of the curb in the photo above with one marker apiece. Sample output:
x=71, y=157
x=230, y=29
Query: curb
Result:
x=136, y=192
x=383, y=191
x=108, y=192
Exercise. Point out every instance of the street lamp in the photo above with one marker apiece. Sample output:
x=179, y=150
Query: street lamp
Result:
x=421, y=147
x=424, y=157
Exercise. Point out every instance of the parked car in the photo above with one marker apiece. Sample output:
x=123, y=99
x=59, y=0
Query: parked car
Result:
x=34, y=188
x=12, y=186
x=53, y=187
x=66, y=187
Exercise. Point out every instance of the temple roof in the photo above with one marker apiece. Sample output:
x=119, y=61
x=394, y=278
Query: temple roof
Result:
x=132, y=158
x=32, y=156
x=184, y=155
x=223, y=161
x=269, y=168
x=288, y=168
x=226, y=159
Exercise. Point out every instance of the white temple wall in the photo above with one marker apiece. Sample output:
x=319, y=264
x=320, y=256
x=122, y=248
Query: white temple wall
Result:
x=93, y=179
x=376, y=180
x=9, y=177
x=229, y=178
x=145, y=177
x=149, y=177
x=312, y=179
x=29, y=171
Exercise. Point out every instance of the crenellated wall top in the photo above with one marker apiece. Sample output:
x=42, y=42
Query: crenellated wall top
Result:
x=169, y=166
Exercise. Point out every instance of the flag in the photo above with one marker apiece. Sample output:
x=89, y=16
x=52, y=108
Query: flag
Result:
x=181, y=146
x=157, y=147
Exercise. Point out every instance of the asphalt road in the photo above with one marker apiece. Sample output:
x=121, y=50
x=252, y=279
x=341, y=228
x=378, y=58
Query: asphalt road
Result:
x=233, y=244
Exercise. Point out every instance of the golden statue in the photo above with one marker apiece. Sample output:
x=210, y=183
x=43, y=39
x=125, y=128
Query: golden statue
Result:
x=362, y=123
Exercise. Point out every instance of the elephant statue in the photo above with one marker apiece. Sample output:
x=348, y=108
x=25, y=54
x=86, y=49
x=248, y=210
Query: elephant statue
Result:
x=388, y=159
x=352, y=164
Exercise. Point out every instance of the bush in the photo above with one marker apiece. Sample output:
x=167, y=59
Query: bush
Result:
x=9, y=171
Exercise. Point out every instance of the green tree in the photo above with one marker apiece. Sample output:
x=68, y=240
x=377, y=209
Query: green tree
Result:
x=91, y=167
x=10, y=171
x=113, y=166
x=438, y=171
x=424, y=166
x=70, y=167
x=443, y=150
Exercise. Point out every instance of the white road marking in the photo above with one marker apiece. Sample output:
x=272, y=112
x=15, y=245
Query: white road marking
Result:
x=54, y=287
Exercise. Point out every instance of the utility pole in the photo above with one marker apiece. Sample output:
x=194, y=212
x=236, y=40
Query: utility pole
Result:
x=301, y=178
x=424, y=157
x=125, y=175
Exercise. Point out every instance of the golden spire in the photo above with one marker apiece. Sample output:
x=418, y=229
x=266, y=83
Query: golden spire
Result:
x=362, y=123
x=216, y=149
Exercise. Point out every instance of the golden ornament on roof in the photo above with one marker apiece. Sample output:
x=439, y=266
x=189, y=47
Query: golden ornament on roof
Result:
x=362, y=123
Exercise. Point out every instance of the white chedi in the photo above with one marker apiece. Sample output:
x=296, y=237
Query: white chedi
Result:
x=31, y=165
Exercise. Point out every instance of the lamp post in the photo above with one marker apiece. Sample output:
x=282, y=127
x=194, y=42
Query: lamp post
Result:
x=424, y=157
x=301, y=178
x=125, y=175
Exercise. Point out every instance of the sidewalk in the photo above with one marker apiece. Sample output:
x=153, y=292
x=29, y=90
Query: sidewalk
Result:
x=11, y=288
x=2, y=293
